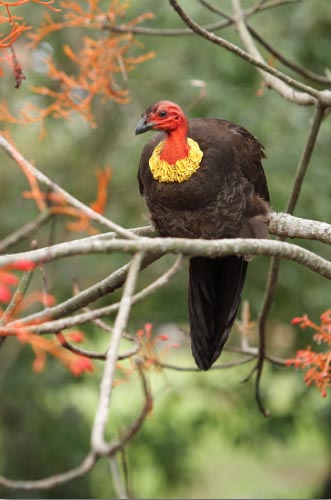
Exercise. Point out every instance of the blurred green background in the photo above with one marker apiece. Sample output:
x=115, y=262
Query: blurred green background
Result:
x=205, y=436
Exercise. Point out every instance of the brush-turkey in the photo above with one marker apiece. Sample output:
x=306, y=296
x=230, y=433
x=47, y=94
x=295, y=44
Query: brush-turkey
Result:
x=203, y=178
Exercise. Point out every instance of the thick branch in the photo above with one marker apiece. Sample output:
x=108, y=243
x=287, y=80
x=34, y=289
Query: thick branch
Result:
x=287, y=226
x=189, y=247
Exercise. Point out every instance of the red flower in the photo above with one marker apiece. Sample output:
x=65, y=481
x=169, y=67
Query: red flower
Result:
x=80, y=364
x=163, y=337
x=24, y=265
x=5, y=293
x=76, y=336
x=297, y=320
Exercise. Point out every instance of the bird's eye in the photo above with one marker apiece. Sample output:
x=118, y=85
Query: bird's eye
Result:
x=162, y=114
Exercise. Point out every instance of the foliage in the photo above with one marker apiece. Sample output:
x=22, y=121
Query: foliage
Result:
x=316, y=364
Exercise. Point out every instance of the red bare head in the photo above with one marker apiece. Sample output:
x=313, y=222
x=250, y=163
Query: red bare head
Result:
x=164, y=115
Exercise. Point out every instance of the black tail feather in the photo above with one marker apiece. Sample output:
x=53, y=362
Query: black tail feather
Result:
x=215, y=287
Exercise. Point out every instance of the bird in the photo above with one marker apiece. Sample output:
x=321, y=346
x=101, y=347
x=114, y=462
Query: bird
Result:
x=203, y=178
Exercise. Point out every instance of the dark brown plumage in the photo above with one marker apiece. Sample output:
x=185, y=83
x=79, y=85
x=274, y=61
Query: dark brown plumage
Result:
x=227, y=197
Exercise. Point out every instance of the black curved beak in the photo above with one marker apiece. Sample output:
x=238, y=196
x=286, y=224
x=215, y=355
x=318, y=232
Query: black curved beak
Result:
x=143, y=125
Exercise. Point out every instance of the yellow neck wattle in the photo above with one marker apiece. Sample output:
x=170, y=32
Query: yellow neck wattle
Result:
x=181, y=170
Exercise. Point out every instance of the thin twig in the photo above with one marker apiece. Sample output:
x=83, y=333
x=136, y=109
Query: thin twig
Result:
x=118, y=483
x=164, y=32
x=99, y=355
x=173, y=32
x=314, y=77
x=51, y=481
x=305, y=158
x=125, y=468
x=25, y=231
x=254, y=351
x=17, y=298
x=221, y=366
x=136, y=426
x=216, y=10
x=263, y=5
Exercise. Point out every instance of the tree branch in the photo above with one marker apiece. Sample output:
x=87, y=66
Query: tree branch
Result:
x=287, y=226
x=51, y=481
x=221, y=366
x=141, y=30
x=188, y=247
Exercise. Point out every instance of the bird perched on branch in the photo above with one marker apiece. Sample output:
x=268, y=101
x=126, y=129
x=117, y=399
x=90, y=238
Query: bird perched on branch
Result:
x=203, y=178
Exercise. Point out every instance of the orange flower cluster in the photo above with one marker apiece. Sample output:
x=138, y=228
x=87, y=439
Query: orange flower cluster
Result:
x=97, y=60
x=16, y=3
x=9, y=279
x=15, y=32
x=148, y=355
x=57, y=204
x=148, y=343
x=41, y=346
x=16, y=27
x=316, y=364
x=76, y=364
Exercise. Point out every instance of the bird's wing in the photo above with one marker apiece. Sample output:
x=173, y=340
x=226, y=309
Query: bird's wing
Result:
x=229, y=137
x=251, y=165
